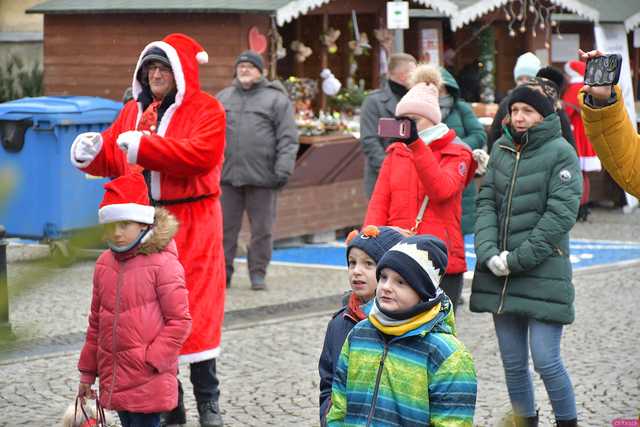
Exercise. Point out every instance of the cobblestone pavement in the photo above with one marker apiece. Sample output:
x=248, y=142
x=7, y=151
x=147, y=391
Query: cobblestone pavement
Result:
x=268, y=368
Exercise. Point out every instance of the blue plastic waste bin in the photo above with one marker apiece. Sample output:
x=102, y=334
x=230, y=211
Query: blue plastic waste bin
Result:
x=49, y=197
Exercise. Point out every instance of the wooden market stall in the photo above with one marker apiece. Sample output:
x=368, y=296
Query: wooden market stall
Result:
x=91, y=47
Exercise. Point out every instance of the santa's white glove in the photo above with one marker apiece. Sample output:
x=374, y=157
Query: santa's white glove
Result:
x=503, y=257
x=497, y=266
x=85, y=147
x=129, y=142
x=482, y=159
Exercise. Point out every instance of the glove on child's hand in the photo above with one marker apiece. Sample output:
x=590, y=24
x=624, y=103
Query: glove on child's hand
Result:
x=497, y=266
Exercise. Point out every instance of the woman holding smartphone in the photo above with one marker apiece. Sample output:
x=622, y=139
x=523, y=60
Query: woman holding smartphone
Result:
x=423, y=176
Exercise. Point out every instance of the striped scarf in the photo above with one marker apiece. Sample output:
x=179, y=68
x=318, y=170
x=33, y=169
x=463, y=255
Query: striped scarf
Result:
x=389, y=326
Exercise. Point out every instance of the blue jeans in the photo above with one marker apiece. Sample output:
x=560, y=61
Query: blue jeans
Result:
x=133, y=419
x=516, y=335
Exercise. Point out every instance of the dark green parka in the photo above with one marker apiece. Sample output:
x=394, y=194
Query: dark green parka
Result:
x=463, y=120
x=527, y=205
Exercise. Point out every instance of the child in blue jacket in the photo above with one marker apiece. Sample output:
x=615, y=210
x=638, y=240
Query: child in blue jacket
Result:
x=403, y=365
x=364, y=250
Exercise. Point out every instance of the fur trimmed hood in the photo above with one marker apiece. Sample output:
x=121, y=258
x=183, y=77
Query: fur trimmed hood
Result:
x=165, y=227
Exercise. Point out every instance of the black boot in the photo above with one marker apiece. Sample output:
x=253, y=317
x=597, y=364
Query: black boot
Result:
x=583, y=212
x=178, y=415
x=209, y=414
x=567, y=423
x=526, y=421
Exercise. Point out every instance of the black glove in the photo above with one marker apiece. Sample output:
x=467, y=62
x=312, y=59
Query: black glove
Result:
x=413, y=134
x=281, y=181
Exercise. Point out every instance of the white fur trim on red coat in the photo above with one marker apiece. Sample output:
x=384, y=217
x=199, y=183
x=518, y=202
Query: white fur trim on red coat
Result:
x=199, y=357
x=132, y=151
x=126, y=212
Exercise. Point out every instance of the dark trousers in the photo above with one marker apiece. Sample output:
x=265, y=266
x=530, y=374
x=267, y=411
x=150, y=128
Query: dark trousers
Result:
x=451, y=284
x=134, y=419
x=205, y=381
x=260, y=205
x=205, y=387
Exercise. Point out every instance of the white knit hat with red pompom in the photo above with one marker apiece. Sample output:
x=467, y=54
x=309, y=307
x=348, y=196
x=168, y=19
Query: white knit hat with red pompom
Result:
x=126, y=198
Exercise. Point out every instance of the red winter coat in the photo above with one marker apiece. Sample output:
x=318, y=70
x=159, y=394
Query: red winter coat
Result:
x=185, y=159
x=139, y=319
x=440, y=171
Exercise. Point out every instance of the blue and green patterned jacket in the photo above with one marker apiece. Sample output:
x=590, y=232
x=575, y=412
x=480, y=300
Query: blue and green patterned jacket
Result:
x=425, y=377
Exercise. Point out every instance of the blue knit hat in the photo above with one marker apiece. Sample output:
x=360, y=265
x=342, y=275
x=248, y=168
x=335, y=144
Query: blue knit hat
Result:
x=527, y=64
x=373, y=240
x=421, y=261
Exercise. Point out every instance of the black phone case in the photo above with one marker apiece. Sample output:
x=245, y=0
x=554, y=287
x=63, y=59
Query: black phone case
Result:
x=603, y=70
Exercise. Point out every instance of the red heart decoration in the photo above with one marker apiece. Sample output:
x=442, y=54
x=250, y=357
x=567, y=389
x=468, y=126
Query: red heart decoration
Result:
x=257, y=41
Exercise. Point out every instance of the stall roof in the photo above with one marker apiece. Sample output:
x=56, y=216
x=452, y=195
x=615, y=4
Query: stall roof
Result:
x=461, y=12
x=295, y=8
x=470, y=10
x=624, y=11
x=156, y=6
x=284, y=10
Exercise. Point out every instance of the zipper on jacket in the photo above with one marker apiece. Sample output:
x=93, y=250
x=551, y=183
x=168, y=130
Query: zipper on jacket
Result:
x=502, y=294
x=507, y=217
x=113, y=335
x=377, y=386
x=237, y=152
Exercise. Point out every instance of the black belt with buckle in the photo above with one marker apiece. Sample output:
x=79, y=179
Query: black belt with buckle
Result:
x=179, y=201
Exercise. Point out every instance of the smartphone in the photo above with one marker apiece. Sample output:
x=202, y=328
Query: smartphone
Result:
x=603, y=70
x=389, y=127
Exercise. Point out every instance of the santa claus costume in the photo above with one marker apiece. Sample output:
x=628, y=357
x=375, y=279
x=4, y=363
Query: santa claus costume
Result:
x=589, y=161
x=180, y=151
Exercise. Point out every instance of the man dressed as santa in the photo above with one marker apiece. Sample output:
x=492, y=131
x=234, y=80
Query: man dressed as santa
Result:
x=174, y=133
x=589, y=161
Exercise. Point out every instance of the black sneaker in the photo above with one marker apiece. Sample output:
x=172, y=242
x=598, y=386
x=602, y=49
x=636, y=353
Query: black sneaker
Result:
x=209, y=414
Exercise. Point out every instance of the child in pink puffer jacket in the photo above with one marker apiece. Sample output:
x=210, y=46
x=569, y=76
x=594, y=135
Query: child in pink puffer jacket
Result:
x=139, y=311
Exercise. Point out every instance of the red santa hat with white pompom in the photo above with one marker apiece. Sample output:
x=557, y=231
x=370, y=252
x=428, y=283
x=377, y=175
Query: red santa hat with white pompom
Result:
x=126, y=199
x=184, y=54
x=575, y=70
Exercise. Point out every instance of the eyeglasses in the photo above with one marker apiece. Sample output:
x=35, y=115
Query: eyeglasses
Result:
x=152, y=68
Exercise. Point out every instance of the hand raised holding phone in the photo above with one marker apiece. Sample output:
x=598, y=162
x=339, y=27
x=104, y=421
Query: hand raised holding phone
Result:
x=603, y=71
x=401, y=129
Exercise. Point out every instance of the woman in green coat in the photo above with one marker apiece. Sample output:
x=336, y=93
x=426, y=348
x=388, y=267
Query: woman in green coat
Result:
x=459, y=116
x=526, y=207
